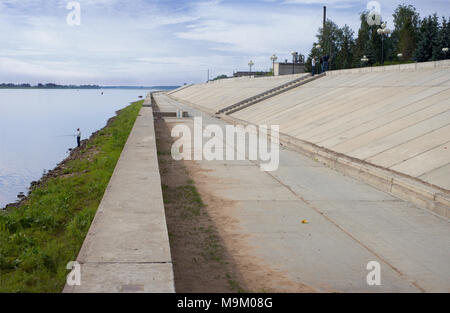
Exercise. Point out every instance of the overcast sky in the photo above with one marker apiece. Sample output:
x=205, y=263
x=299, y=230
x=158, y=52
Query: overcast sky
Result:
x=148, y=42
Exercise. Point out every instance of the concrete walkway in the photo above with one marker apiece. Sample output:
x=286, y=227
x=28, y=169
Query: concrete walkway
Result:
x=389, y=125
x=127, y=247
x=350, y=224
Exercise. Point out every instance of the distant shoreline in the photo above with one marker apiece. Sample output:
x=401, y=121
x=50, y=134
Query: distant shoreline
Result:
x=91, y=88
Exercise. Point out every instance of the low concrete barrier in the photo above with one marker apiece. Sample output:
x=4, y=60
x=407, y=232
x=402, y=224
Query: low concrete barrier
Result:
x=127, y=247
x=388, y=68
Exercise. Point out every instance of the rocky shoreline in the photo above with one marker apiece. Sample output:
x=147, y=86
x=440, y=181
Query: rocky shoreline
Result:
x=58, y=171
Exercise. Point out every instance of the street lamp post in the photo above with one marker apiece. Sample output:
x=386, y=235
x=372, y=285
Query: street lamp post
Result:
x=364, y=59
x=318, y=47
x=251, y=64
x=294, y=54
x=445, y=50
x=383, y=31
x=273, y=58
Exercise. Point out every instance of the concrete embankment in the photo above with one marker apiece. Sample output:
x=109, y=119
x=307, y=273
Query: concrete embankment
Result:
x=215, y=95
x=260, y=216
x=387, y=125
x=127, y=247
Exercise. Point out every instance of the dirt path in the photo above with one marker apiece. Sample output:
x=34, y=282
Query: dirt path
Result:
x=200, y=261
x=209, y=252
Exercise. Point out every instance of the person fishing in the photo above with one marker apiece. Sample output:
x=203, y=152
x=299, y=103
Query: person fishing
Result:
x=78, y=137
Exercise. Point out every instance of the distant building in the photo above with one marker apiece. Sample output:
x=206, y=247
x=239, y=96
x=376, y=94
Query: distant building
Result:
x=288, y=68
x=242, y=74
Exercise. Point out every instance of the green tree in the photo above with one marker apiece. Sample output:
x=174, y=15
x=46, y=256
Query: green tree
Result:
x=328, y=38
x=428, y=39
x=442, y=41
x=220, y=77
x=445, y=35
x=360, y=48
x=368, y=43
x=345, y=43
x=337, y=43
x=404, y=36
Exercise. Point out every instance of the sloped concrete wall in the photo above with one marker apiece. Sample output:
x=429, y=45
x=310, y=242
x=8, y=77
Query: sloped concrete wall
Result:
x=220, y=94
x=396, y=117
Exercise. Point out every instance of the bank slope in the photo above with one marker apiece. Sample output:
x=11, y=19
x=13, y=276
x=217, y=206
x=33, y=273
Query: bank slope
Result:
x=46, y=231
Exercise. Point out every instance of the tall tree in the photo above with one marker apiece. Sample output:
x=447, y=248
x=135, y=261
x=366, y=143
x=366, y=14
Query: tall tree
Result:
x=344, y=55
x=328, y=40
x=361, y=42
x=404, y=36
x=442, y=41
x=335, y=42
x=428, y=38
x=368, y=43
x=446, y=37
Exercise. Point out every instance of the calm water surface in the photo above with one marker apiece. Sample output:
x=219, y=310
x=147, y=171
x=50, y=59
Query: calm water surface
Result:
x=37, y=128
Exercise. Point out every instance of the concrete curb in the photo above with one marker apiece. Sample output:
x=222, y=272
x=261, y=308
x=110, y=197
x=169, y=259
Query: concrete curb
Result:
x=127, y=247
x=390, y=68
x=407, y=188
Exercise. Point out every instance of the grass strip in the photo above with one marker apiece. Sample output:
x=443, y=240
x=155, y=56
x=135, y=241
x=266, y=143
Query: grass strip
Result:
x=43, y=234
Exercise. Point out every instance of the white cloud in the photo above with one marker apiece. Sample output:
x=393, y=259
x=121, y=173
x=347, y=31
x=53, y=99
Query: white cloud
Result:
x=322, y=2
x=163, y=42
x=47, y=69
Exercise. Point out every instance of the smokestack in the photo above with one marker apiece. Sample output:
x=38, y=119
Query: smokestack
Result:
x=324, y=17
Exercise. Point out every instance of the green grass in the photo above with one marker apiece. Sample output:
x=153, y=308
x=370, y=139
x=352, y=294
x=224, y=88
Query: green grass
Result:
x=39, y=238
x=186, y=198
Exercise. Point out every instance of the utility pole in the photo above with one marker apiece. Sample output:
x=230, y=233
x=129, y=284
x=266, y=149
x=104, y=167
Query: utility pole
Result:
x=323, y=29
x=324, y=34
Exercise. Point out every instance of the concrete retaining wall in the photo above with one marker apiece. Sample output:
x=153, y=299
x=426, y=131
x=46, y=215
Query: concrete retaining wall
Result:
x=406, y=188
x=396, y=119
x=387, y=125
x=127, y=247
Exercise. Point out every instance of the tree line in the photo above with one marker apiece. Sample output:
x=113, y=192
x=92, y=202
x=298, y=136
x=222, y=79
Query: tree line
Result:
x=412, y=40
x=47, y=86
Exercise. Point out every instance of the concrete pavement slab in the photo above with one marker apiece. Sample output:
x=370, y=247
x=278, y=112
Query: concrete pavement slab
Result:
x=349, y=224
x=125, y=278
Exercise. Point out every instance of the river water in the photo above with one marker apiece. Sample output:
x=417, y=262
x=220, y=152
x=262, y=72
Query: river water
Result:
x=37, y=128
